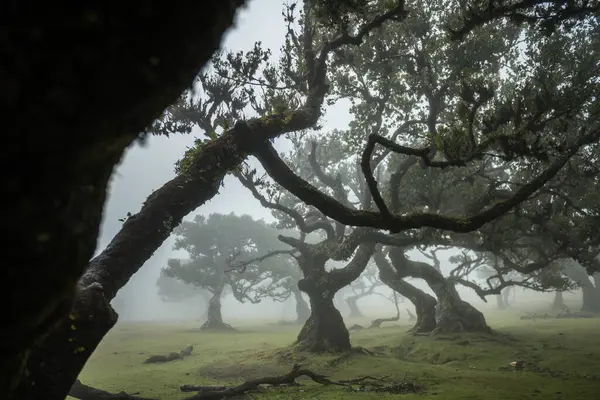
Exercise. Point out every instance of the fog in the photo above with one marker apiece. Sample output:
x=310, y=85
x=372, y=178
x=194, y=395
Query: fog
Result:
x=147, y=167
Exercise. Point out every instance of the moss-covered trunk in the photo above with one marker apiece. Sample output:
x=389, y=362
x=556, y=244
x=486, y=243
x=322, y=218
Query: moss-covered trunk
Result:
x=424, y=304
x=89, y=102
x=453, y=314
x=325, y=329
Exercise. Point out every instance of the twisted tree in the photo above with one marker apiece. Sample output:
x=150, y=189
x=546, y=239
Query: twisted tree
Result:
x=212, y=243
x=55, y=362
x=61, y=210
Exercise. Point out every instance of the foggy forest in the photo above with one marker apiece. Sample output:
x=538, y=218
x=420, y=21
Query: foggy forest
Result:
x=317, y=199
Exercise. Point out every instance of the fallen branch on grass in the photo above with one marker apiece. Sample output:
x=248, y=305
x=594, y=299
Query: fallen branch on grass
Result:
x=171, y=356
x=85, y=392
x=289, y=379
x=376, y=323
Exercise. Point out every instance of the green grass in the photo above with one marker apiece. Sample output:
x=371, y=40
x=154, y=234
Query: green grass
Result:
x=563, y=359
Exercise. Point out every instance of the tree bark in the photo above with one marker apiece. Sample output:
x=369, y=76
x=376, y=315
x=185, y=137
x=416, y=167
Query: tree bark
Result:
x=325, y=329
x=353, y=306
x=214, y=320
x=145, y=231
x=424, y=303
x=302, y=308
x=453, y=314
x=92, y=101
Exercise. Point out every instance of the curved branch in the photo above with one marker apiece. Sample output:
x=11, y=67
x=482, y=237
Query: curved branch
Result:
x=282, y=174
x=241, y=266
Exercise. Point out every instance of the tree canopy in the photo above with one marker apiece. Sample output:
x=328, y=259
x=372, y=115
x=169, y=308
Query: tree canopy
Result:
x=531, y=116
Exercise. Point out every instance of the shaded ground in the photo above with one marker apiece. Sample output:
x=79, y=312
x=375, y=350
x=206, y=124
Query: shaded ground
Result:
x=562, y=361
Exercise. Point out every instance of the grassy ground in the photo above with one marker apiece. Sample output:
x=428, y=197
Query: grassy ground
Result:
x=563, y=359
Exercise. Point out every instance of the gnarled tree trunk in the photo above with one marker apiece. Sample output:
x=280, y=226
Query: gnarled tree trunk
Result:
x=214, y=320
x=325, y=329
x=424, y=304
x=452, y=314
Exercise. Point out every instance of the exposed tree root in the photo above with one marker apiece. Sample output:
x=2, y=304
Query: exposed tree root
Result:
x=85, y=392
x=171, y=356
x=289, y=379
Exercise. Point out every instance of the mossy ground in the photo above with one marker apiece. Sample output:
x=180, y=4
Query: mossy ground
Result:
x=562, y=356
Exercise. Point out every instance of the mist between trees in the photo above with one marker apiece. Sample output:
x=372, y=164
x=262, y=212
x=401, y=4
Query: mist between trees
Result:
x=471, y=128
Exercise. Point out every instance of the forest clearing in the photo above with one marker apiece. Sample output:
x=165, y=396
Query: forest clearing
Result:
x=558, y=354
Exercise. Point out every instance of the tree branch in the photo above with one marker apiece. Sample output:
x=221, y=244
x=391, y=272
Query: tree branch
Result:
x=283, y=175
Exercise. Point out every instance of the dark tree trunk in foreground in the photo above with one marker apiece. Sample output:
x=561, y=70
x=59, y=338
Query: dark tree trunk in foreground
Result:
x=558, y=303
x=453, y=314
x=353, y=306
x=424, y=303
x=302, y=308
x=214, y=317
x=89, y=102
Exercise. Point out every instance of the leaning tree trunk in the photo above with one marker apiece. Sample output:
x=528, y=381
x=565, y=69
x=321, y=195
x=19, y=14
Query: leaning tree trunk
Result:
x=57, y=210
x=558, y=303
x=453, y=314
x=302, y=308
x=352, y=302
x=214, y=320
x=424, y=304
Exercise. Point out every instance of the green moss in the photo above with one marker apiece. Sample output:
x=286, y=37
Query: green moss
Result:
x=565, y=353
